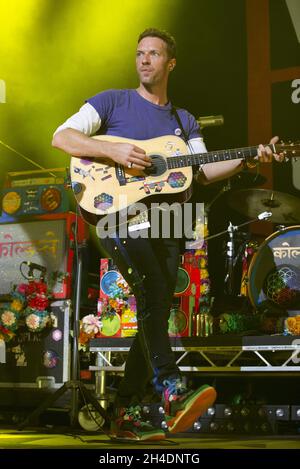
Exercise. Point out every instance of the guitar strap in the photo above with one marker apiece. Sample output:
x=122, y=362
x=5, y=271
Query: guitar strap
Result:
x=174, y=111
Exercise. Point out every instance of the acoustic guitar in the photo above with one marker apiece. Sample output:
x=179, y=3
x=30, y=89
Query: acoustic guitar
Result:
x=102, y=187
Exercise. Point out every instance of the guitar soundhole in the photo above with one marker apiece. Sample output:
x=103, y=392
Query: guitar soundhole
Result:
x=158, y=167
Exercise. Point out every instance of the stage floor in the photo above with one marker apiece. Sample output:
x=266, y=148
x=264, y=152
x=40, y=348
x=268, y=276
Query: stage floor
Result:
x=11, y=438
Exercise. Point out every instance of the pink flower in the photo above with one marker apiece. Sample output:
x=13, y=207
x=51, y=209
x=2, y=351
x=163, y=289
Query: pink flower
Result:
x=22, y=288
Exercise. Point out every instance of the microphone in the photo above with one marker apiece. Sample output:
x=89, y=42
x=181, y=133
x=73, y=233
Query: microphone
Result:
x=264, y=215
x=210, y=121
x=33, y=266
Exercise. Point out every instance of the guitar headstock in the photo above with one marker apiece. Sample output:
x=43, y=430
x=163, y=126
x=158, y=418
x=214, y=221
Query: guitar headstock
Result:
x=290, y=149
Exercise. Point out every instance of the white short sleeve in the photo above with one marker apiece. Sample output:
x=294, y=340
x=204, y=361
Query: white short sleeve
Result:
x=86, y=120
x=197, y=145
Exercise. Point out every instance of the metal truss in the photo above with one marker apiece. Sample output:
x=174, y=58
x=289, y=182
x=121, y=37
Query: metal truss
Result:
x=226, y=359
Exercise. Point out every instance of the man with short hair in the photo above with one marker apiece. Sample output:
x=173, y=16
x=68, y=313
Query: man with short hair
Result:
x=149, y=265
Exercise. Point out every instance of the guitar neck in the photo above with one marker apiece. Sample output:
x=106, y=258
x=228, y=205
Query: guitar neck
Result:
x=213, y=157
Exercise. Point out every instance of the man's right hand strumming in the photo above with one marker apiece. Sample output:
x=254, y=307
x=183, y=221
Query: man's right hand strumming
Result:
x=129, y=155
x=78, y=144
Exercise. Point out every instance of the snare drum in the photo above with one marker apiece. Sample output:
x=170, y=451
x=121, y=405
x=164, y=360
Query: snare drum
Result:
x=274, y=271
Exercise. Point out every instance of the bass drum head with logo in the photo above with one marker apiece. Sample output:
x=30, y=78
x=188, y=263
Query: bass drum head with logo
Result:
x=183, y=282
x=177, y=322
x=274, y=271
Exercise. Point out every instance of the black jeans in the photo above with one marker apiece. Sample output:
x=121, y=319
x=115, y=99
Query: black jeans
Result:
x=150, y=267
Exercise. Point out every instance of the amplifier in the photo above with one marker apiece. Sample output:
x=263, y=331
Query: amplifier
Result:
x=30, y=193
x=181, y=317
x=46, y=242
x=39, y=359
x=34, y=200
x=188, y=276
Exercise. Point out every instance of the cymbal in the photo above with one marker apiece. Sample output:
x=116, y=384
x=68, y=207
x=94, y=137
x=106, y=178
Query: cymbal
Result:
x=285, y=208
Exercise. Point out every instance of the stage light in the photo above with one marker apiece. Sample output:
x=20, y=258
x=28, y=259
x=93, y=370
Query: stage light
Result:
x=245, y=411
x=43, y=43
x=227, y=412
x=230, y=427
x=146, y=409
x=197, y=426
x=265, y=427
x=2, y=91
x=247, y=428
x=214, y=426
x=164, y=425
x=295, y=412
x=279, y=412
x=211, y=411
x=262, y=412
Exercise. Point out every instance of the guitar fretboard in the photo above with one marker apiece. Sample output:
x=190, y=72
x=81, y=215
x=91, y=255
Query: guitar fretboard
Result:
x=211, y=157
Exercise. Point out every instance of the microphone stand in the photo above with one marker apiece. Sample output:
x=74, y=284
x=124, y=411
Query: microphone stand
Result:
x=230, y=247
x=74, y=384
x=230, y=256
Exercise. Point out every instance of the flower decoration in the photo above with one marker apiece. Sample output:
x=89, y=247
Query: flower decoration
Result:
x=117, y=303
x=10, y=315
x=119, y=289
x=29, y=305
x=293, y=325
x=90, y=326
x=236, y=323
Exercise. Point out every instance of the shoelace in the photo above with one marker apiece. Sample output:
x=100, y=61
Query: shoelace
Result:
x=175, y=386
x=134, y=413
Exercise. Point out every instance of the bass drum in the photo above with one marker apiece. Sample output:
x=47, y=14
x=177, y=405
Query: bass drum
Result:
x=274, y=271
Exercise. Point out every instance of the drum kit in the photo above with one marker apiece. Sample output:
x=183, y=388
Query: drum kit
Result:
x=285, y=208
x=274, y=270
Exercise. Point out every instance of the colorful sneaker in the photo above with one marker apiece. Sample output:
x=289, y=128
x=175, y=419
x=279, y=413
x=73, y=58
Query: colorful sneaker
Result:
x=129, y=425
x=182, y=407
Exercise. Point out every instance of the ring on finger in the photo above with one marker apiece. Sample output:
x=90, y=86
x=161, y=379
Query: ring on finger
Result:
x=130, y=164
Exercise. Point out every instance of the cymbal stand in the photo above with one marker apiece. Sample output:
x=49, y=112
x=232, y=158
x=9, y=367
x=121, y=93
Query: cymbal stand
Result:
x=225, y=188
x=204, y=220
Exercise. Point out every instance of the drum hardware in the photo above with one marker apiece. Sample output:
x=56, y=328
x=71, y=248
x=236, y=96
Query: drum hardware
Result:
x=280, y=227
x=285, y=208
x=231, y=260
x=198, y=235
x=260, y=217
x=225, y=188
